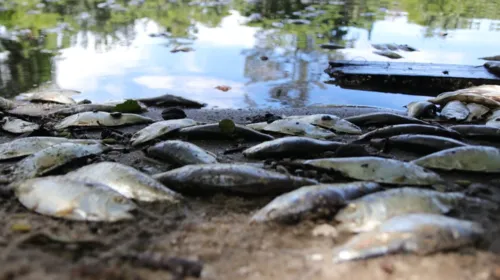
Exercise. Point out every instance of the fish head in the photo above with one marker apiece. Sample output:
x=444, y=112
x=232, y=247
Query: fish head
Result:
x=118, y=207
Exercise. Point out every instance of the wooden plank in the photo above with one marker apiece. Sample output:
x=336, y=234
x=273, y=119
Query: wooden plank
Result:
x=426, y=79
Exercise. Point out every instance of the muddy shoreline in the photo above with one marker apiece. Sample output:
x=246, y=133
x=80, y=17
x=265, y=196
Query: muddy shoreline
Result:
x=215, y=231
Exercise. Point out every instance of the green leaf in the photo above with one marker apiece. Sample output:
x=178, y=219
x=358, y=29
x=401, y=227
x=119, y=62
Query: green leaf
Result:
x=129, y=106
x=227, y=126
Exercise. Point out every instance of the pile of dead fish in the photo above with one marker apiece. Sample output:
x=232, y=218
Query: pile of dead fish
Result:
x=366, y=191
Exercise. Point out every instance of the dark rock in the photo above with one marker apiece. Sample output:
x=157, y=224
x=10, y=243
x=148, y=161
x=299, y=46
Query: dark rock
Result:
x=173, y=114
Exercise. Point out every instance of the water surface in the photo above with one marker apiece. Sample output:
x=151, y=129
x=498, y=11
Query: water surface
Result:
x=113, y=50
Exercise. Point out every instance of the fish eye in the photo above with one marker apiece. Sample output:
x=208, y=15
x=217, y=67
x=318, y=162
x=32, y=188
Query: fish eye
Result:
x=119, y=199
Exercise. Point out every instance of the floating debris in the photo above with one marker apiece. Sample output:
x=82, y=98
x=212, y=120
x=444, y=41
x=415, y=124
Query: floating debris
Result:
x=399, y=129
x=318, y=201
x=420, y=234
x=469, y=158
x=169, y=100
x=234, y=178
x=382, y=119
x=53, y=157
x=181, y=153
x=329, y=122
x=52, y=96
x=297, y=127
x=419, y=109
x=61, y=197
x=101, y=119
x=418, y=143
x=380, y=170
x=368, y=212
x=210, y=131
x=159, y=129
x=290, y=146
x=477, y=131
x=476, y=111
x=18, y=126
x=466, y=96
x=125, y=180
x=389, y=54
x=455, y=110
x=27, y=146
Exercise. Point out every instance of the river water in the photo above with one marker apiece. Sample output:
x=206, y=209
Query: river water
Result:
x=114, y=50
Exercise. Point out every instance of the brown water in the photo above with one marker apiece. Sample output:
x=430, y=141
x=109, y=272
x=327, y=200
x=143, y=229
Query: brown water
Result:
x=122, y=49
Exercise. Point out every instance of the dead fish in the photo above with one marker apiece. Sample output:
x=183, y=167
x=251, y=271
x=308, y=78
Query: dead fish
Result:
x=399, y=129
x=18, y=126
x=455, y=110
x=331, y=46
x=298, y=128
x=181, y=153
x=331, y=122
x=376, y=169
x=493, y=67
x=53, y=157
x=125, y=180
x=6, y=104
x=468, y=158
x=169, y=100
x=52, y=96
x=389, y=54
x=419, y=109
x=290, y=146
x=35, y=109
x=420, y=234
x=368, y=212
x=100, y=119
x=159, y=129
x=382, y=119
x=476, y=111
x=407, y=48
x=234, y=178
x=488, y=91
x=318, y=201
x=60, y=197
x=257, y=126
x=81, y=108
x=385, y=47
x=477, y=131
x=210, y=131
x=493, y=123
x=418, y=142
x=466, y=97
x=29, y=145
x=493, y=58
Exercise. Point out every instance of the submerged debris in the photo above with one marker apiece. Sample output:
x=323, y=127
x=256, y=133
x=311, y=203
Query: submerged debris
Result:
x=232, y=178
x=469, y=158
x=181, y=153
x=290, y=146
x=73, y=200
x=100, y=119
x=125, y=180
x=313, y=201
x=18, y=126
x=420, y=234
x=380, y=170
x=159, y=129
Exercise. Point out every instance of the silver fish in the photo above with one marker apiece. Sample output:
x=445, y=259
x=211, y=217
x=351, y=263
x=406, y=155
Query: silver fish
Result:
x=170, y=100
x=159, y=129
x=291, y=146
x=26, y=146
x=18, y=126
x=61, y=197
x=35, y=109
x=97, y=119
x=481, y=131
x=380, y=170
x=418, y=109
x=298, y=128
x=468, y=158
x=331, y=122
x=181, y=153
x=382, y=119
x=313, y=201
x=368, y=212
x=208, y=131
x=53, y=157
x=419, y=142
x=393, y=130
x=233, y=178
x=257, y=126
x=420, y=234
x=455, y=110
x=125, y=180
x=53, y=96
x=389, y=54
x=81, y=108
x=476, y=111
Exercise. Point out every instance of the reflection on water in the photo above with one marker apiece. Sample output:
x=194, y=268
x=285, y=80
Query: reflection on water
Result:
x=267, y=51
